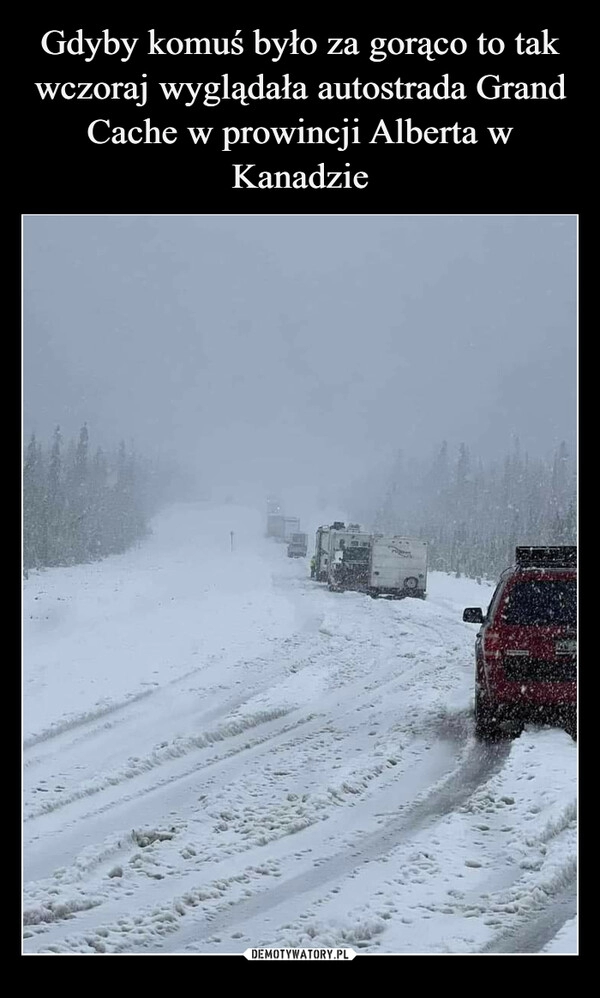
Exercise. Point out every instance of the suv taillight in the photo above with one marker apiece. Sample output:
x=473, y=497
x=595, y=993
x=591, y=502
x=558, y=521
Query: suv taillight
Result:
x=491, y=645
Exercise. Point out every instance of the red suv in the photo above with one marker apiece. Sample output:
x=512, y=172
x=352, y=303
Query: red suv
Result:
x=526, y=649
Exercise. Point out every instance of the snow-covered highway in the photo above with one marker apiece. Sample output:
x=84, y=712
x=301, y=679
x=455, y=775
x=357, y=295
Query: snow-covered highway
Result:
x=221, y=754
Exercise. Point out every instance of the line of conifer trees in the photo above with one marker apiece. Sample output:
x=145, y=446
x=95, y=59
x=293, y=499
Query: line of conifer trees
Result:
x=78, y=507
x=474, y=513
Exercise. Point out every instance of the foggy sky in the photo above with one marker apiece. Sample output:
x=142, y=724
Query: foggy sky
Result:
x=282, y=351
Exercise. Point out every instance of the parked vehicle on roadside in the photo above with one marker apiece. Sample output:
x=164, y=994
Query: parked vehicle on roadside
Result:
x=276, y=526
x=279, y=526
x=340, y=550
x=397, y=567
x=297, y=546
x=349, y=561
x=526, y=647
x=321, y=555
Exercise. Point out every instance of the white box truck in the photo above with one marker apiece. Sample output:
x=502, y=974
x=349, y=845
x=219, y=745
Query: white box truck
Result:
x=276, y=526
x=397, y=567
x=291, y=526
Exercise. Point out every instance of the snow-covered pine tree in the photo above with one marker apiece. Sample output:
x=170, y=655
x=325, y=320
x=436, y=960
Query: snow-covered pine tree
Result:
x=77, y=510
x=97, y=505
x=34, y=506
x=78, y=524
x=55, y=505
x=474, y=514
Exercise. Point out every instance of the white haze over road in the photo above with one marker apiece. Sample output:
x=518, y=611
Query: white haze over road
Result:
x=220, y=753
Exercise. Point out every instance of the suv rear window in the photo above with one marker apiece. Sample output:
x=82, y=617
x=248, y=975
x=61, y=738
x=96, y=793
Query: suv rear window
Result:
x=538, y=602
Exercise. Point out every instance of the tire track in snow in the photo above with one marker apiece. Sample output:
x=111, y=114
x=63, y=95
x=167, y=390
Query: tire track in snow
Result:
x=340, y=658
x=431, y=804
x=91, y=717
x=534, y=931
x=553, y=901
x=86, y=718
x=159, y=757
x=271, y=660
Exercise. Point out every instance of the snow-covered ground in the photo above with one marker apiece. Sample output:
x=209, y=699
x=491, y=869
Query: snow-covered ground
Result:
x=221, y=754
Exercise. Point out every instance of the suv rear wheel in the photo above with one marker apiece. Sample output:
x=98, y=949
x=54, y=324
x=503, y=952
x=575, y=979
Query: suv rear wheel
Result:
x=487, y=726
x=570, y=724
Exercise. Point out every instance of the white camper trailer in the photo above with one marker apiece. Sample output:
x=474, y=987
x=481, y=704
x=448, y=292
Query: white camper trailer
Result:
x=397, y=567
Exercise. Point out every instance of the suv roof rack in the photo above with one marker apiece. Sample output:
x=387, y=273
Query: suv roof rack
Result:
x=564, y=556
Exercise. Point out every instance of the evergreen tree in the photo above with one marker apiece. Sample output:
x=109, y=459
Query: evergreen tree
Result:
x=76, y=509
x=98, y=506
x=55, y=505
x=81, y=458
x=78, y=539
x=34, y=512
x=474, y=514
